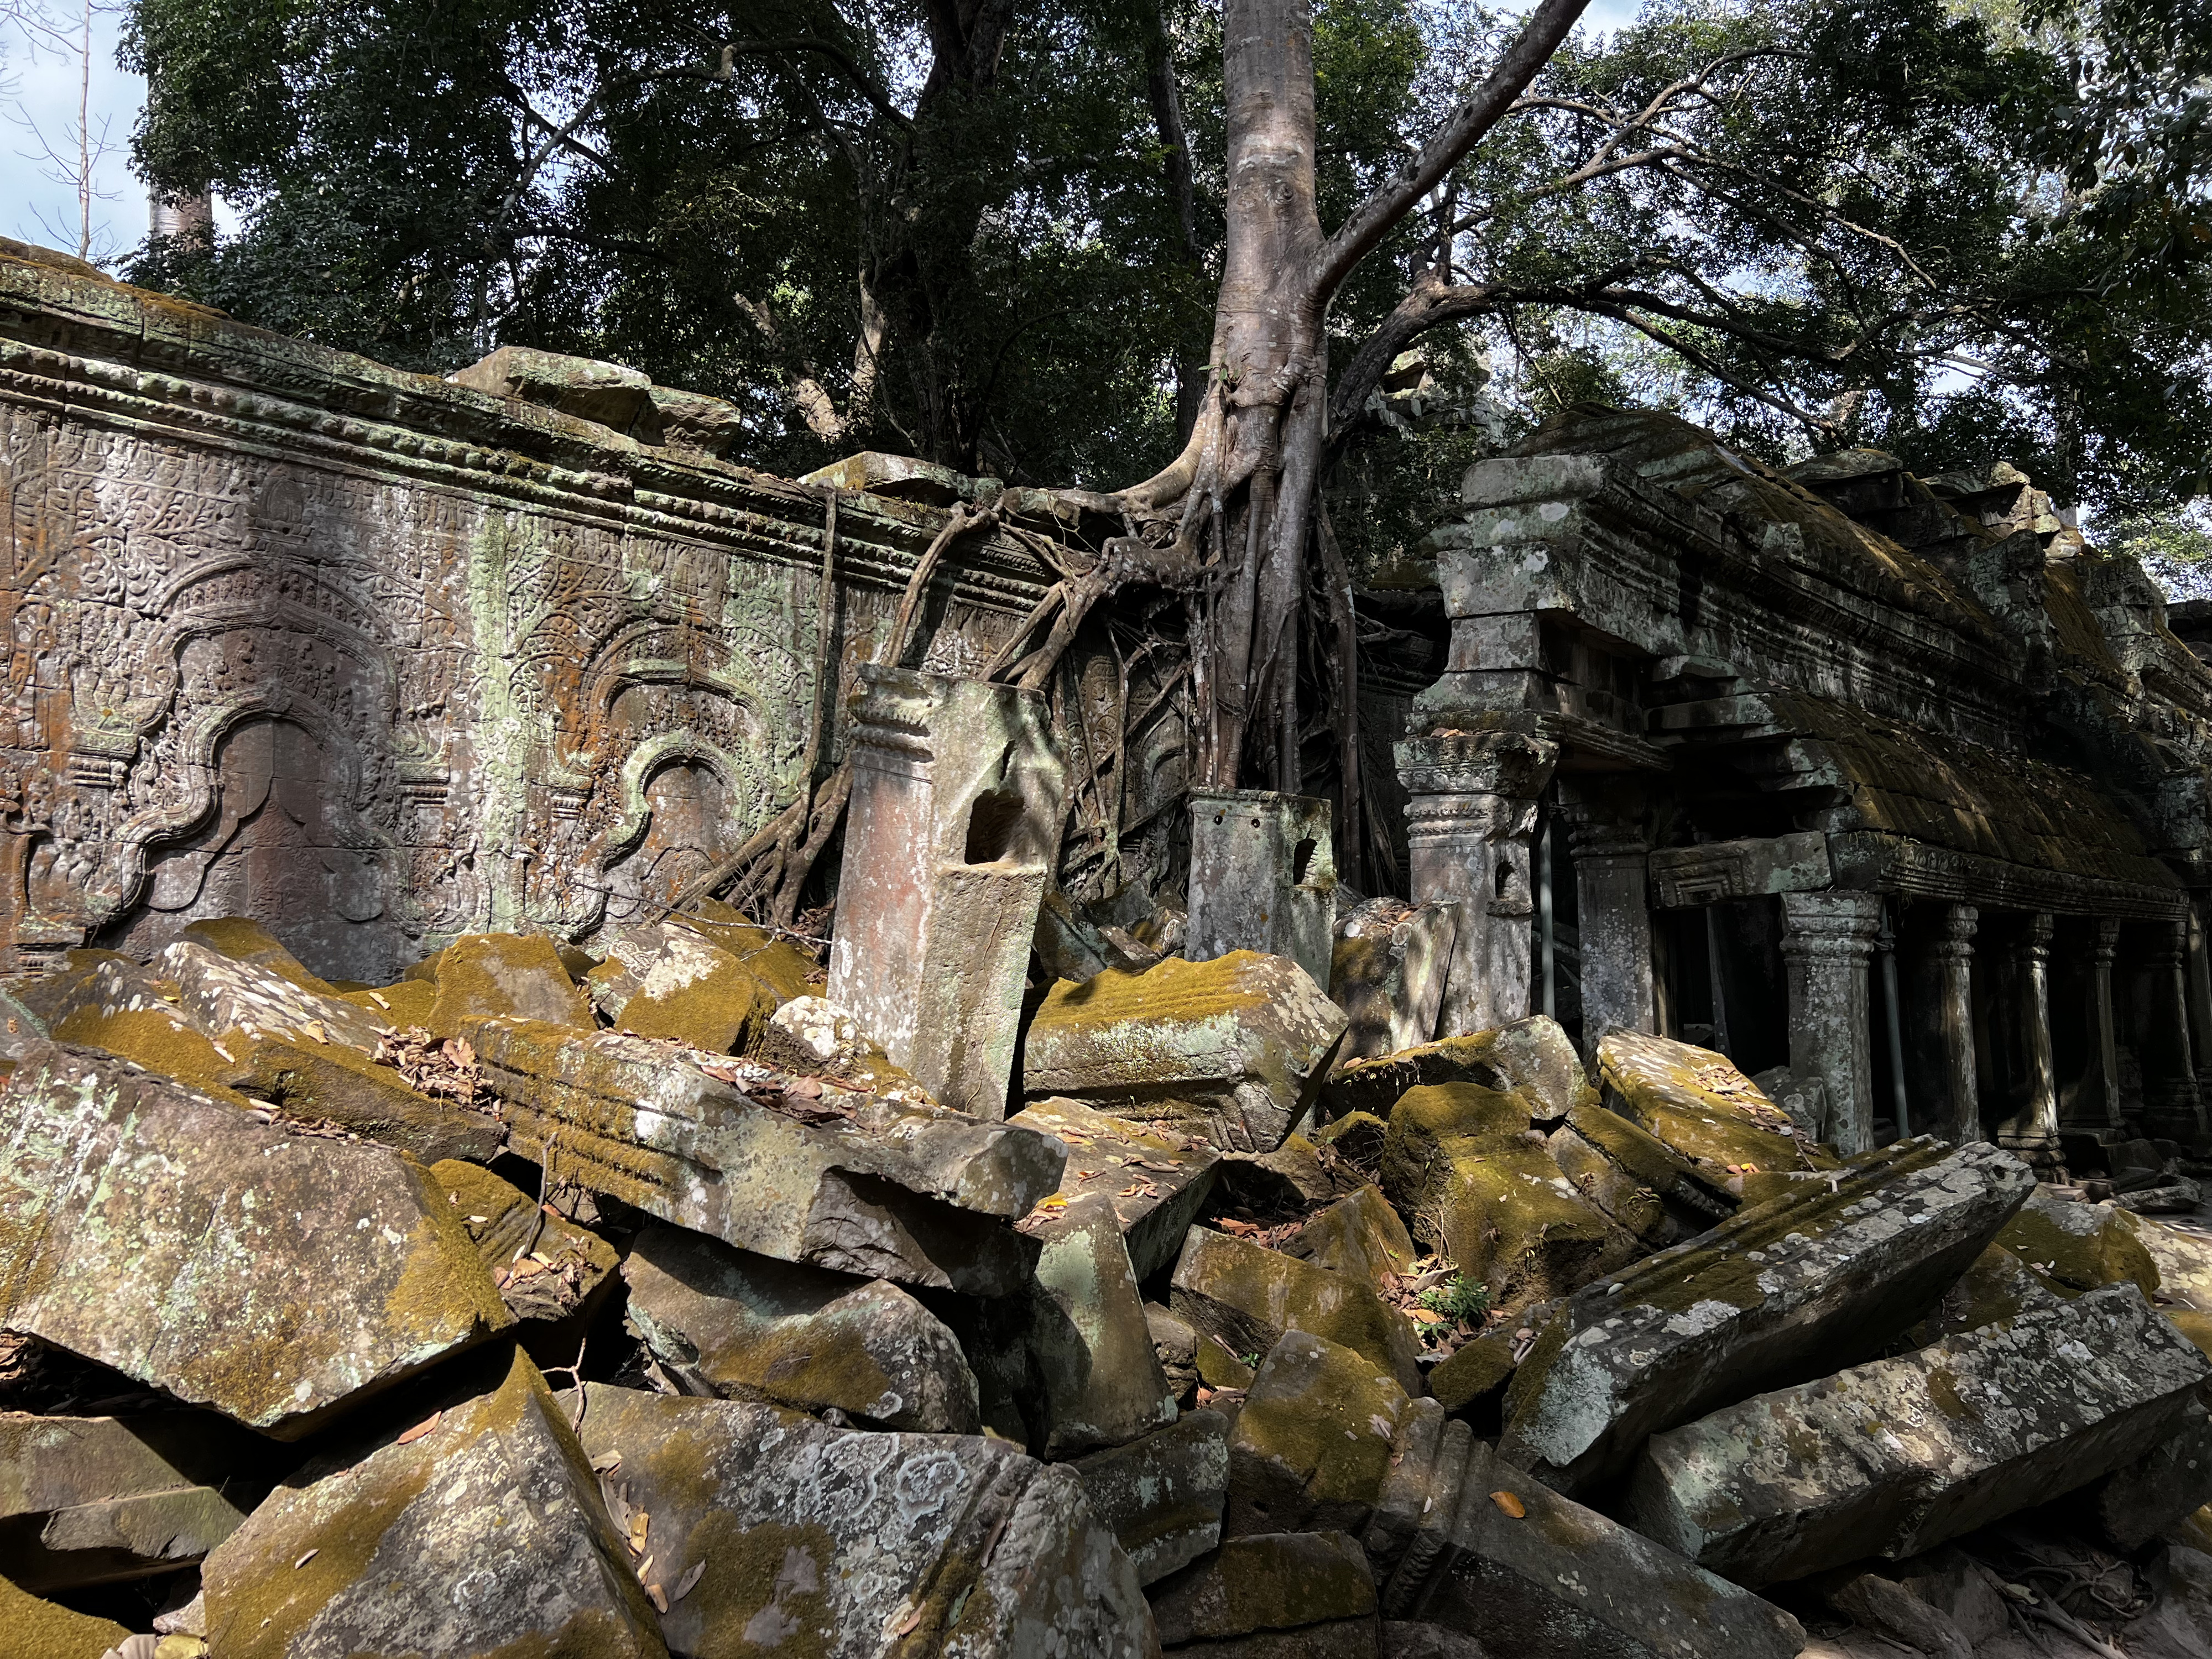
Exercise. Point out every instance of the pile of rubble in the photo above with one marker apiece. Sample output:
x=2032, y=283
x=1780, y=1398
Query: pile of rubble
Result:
x=637, y=1303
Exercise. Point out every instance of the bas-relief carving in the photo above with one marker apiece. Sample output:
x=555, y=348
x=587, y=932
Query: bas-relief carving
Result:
x=374, y=712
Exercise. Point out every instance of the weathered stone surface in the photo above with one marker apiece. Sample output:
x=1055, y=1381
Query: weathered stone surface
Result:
x=1779, y=1291
x=2080, y=1246
x=483, y=1534
x=38, y=1629
x=1636, y=1178
x=1536, y=1576
x=1532, y=1055
x=1176, y=1345
x=219, y=995
x=815, y=1037
x=85, y=1500
x=673, y=982
x=1162, y=1495
x=2159, y=1490
x=547, y=1269
x=2178, y=1625
x=1360, y=1234
x=1311, y=1446
x=1421, y=1491
x=162, y=1040
x=1388, y=973
x=1459, y=1158
x=1896, y=1456
x=812, y=1540
x=1475, y=1376
x=1998, y=1286
x=1892, y=1611
x=882, y=1190
x=1156, y=1178
x=505, y=975
x=174, y=1239
x=1247, y=1296
x=1704, y=1109
x=105, y=981
x=1236, y=1047
x=335, y=1084
x=746, y=1327
x=1262, y=877
x=958, y=788
x=1297, y=1583
x=244, y=939
x=1104, y=1384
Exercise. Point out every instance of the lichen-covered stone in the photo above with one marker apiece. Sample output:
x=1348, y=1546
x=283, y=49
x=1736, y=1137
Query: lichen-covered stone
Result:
x=1247, y=1297
x=1312, y=1444
x=2159, y=1491
x=841, y=1544
x=2080, y=1246
x=1360, y=1234
x=1297, y=1583
x=1175, y=1343
x=1156, y=1179
x=1894, y=1457
x=1637, y=1179
x=1419, y=1491
x=1102, y=1383
x=335, y=1084
x=1460, y=1159
x=790, y=972
x=483, y=1535
x=548, y=1270
x=1776, y=1293
x=1236, y=1048
x=815, y=1037
x=244, y=939
x=852, y=1182
x=1477, y=1373
x=1162, y=1495
x=1534, y=1574
x=675, y=983
x=1998, y=1286
x=1387, y=972
x=173, y=1238
x=103, y=981
x=162, y=1040
x=748, y=1327
x=1534, y=1056
x=505, y=975
x=1704, y=1110
x=219, y=995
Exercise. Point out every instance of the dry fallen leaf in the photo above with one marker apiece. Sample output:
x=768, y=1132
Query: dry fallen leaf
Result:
x=1086, y=1175
x=1055, y=1202
x=912, y=1618
x=684, y=1585
x=421, y=1428
x=606, y=1463
x=659, y=1598
x=639, y=1521
x=805, y=1088
x=1074, y=1139
x=304, y=1559
x=1510, y=1505
x=1133, y=1189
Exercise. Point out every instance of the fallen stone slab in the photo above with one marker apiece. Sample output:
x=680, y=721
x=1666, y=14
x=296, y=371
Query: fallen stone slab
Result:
x=1704, y=1110
x=1361, y=1235
x=791, y=1535
x=1418, y=1496
x=244, y=939
x=745, y=1327
x=790, y=972
x=1896, y=1456
x=505, y=975
x=1102, y=1383
x=103, y=981
x=334, y=1084
x=1175, y=1343
x=35, y=1627
x=277, y=1279
x=1274, y=1595
x=475, y=1531
x=1247, y=1297
x=550, y=1273
x=163, y=1040
x=1778, y=1293
x=1534, y=1574
x=1298, y=1175
x=812, y=1036
x=219, y=995
x=2081, y=1247
x=1156, y=1178
x=1636, y=1178
x=2159, y=1490
x=1387, y=972
x=1998, y=1285
x=669, y=981
x=1162, y=1495
x=91, y=1500
x=1312, y=1444
x=1235, y=1048
x=1535, y=1056
x=784, y=1167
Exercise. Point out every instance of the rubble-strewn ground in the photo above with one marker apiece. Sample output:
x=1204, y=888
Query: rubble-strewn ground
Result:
x=635, y=1303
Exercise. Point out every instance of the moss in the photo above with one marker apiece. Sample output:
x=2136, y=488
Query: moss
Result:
x=161, y=1042
x=1479, y=1370
x=518, y=975
x=1218, y=1367
x=790, y=972
x=408, y=1003
x=1527, y=1386
x=749, y=1569
x=2103, y=1252
x=1943, y=1390
x=722, y=1012
x=34, y=1629
x=243, y=939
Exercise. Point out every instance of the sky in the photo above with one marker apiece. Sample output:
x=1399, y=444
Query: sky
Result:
x=40, y=89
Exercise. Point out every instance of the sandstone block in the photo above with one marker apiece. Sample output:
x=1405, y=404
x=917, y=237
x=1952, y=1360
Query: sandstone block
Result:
x=104, y=982
x=1534, y=1574
x=483, y=1533
x=275, y=1278
x=2159, y=1490
x=1176, y=1345
x=244, y=939
x=2081, y=1247
x=1894, y=1457
x=548, y=1270
x=1779, y=1292
x=1704, y=1109
x=1417, y=1499
x=1311, y=1446
x=1387, y=973
x=1636, y=1178
x=333, y=1083
x=505, y=975
x=1301, y=1593
x=37, y=1627
x=745, y=1326
x=1162, y=1495
x=1235, y=1047
x=1534, y=1055
x=1262, y=877
x=816, y=1174
x=1247, y=1297
x=673, y=982
x=1361, y=1235
x=163, y=1040
x=219, y=995
x=1104, y=1384
x=1998, y=1285
x=1156, y=1179
x=787, y=969
x=852, y=1544
x=815, y=1037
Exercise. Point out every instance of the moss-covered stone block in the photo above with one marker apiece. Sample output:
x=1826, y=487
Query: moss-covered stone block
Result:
x=688, y=990
x=1102, y=1383
x=550, y=1273
x=1247, y=1296
x=1705, y=1111
x=1360, y=1234
x=1287, y=1581
x=220, y=995
x=163, y=1040
x=1156, y=1178
x=790, y=971
x=1313, y=1442
x=1998, y=1285
x=2080, y=1246
x=244, y=939
x=38, y=1629
x=1162, y=1495
x=1534, y=1055
x=505, y=975
x=338, y=1085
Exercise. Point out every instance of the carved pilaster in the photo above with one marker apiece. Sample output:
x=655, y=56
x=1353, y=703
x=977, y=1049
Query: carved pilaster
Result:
x=1611, y=855
x=2173, y=1104
x=1939, y=1020
x=2031, y=1124
x=2092, y=1106
x=1827, y=940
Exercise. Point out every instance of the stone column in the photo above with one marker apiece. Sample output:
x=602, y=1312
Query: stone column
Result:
x=1612, y=902
x=2093, y=1107
x=1939, y=1016
x=1262, y=877
x=1827, y=939
x=2033, y=1127
x=2174, y=1106
x=958, y=793
x=1470, y=820
x=2200, y=996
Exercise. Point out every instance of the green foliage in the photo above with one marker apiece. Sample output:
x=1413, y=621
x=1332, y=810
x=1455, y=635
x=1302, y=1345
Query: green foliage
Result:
x=1458, y=1298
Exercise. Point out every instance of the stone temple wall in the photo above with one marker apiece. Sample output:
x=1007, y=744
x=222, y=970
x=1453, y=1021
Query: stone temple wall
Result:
x=294, y=635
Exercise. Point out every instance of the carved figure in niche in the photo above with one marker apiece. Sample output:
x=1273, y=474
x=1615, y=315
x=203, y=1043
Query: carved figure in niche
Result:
x=684, y=835
x=274, y=851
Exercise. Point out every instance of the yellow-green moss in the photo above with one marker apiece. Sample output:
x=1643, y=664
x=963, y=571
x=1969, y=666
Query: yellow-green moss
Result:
x=31, y=1628
x=161, y=1042
x=2081, y=1261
